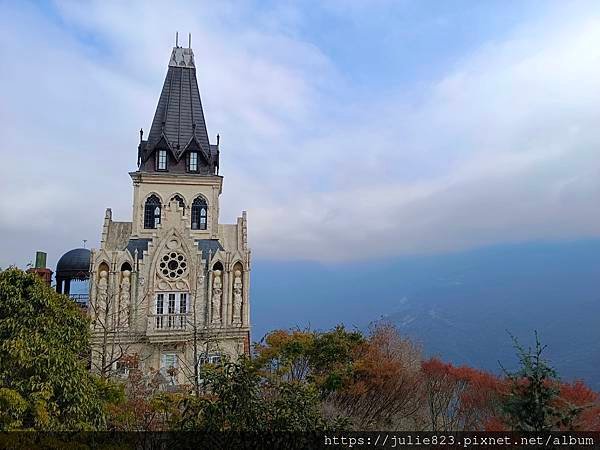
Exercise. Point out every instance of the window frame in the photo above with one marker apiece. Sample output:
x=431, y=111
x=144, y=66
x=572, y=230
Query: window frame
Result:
x=165, y=359
x=210, y=358
x=196, y=165
x=171, y=303
x=199, y=211
x=162, y=156
x=154, y=214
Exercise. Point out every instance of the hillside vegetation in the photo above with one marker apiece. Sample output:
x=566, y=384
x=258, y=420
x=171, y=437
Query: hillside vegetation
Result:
x=296, y=380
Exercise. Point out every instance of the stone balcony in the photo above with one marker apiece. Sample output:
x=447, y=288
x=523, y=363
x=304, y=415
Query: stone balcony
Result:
x=169, y=322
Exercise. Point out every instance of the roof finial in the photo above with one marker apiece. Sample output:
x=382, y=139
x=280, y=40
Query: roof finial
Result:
x=189, y=40
x=141, y=134
x=84, y=242
x=218, y=139
x=177, y=39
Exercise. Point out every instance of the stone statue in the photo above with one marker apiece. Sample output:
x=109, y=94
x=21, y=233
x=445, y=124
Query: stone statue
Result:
x=217, y=294
x=237, y=298
x=102, y=298
x=125, y=299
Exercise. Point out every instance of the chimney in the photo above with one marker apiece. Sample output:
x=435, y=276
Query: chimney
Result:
x=40, y=268
x=40, y=260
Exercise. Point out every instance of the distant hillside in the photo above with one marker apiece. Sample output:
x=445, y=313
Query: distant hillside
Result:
x=458, y=306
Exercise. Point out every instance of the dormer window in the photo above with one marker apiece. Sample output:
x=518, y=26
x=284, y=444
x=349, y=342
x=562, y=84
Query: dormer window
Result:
x=193, y=162
x=161, y=160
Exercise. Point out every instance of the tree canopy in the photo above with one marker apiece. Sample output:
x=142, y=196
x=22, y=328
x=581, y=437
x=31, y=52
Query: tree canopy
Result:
x=44, y=381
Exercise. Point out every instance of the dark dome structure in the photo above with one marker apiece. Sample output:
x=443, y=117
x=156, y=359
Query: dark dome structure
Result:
x=73, y=265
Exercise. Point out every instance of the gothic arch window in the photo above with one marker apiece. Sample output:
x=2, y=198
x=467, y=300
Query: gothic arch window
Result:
x=199, y=214
x=179, y=199
x=152, y=212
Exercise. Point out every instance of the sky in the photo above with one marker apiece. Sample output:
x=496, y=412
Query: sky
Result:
x=350, y=130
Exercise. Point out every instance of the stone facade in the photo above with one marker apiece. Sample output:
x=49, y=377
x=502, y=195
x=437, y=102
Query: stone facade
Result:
x=171, y=291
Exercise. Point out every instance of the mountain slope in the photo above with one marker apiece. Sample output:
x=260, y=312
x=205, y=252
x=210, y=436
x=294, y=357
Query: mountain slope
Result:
x=459, y=306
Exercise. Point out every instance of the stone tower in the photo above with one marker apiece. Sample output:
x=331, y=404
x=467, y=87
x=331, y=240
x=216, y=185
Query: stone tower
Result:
x=169, y=291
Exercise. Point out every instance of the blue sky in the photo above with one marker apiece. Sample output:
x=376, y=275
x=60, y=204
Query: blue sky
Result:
x=351, y=130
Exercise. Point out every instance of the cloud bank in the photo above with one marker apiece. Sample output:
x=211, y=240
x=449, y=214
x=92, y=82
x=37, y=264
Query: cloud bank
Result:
x=502, y=147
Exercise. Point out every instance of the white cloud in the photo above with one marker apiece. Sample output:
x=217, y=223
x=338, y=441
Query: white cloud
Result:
x=503, y=148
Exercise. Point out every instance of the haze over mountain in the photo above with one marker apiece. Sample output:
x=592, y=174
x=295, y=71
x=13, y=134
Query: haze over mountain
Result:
x=459, y=306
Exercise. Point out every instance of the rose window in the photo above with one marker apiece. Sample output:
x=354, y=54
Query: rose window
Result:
x=172, y=265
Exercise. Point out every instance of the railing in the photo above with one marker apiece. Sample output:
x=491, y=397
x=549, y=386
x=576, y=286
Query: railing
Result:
x=169, y=322
x=80, y=299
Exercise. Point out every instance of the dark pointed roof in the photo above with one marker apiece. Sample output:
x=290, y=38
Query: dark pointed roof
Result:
x=179, y=119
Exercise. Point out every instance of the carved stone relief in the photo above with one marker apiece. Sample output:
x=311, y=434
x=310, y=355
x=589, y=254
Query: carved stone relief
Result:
x=125, y=299
x=217, y=294
x=237, y=298
x=102, y=300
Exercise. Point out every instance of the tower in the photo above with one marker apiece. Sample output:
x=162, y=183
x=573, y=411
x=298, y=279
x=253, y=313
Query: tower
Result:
x=169, y=291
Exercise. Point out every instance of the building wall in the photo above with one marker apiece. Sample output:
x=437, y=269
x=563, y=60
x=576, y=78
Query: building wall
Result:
x=124, y=286
x=165, y=186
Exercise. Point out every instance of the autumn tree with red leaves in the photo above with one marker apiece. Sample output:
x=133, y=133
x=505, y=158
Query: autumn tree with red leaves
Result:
x=384, y=391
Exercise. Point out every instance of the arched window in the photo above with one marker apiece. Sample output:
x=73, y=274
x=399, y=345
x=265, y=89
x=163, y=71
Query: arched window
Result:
x=152, y=212
x=177, y=198
x=199, y=214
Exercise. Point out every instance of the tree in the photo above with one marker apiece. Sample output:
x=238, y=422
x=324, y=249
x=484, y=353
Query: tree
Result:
x=332, y=358
x=578, y=395
x=239, y=398
x=443, y=390
x=110, y=309
x=385, y=386
x=44, y=349
x=324, y=359
x=533, y=401
x=480, y=401
x=285, y=354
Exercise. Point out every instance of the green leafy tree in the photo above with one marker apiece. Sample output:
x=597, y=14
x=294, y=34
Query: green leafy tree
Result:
x=44, y=382
x=232, y=400
x=533, y=401
x=238, y=398
x=324, y=359
x=332, y=358
x=285, y=355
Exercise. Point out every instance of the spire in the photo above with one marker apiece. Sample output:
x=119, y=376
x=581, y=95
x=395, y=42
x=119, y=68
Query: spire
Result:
x=179, y=119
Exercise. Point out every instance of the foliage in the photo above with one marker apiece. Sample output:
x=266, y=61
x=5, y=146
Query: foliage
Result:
x=332, y=357
x=12, y=409
x=578, y=395
x=460, y=398
x=324, y=359
x=533, y=402
x=285, y=354
x=384, y=390
x=298, y=380
x=238, y=399
x=44, y=381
